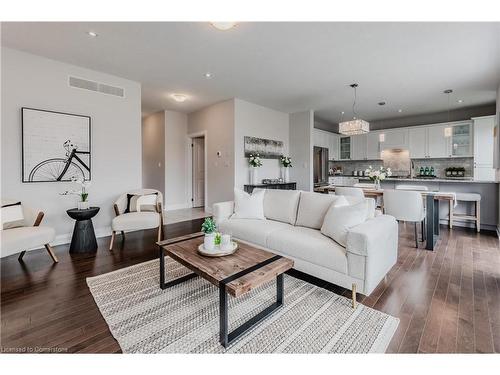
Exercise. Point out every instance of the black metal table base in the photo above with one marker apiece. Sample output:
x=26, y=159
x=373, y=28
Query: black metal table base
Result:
x=226, y=338
x=432, y=221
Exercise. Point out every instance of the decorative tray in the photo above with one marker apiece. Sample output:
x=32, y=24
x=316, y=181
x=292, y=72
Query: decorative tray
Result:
x=217, y=251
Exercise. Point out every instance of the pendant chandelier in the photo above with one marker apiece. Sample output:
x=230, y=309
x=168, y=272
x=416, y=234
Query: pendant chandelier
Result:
x=356, y=125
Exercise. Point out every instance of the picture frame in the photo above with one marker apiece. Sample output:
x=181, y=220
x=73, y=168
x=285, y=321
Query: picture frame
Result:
x=56, y=146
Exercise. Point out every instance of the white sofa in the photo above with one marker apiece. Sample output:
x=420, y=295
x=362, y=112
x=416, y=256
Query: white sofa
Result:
x=292, y=229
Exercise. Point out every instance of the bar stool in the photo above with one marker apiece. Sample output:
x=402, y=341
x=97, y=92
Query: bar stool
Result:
x=467, y=197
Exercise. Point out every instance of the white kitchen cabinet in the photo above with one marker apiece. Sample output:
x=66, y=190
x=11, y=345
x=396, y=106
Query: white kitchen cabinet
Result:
x=358, y=147
x=483, y=148
x=373, y=146
x=395, y=139
x=333, y=146
x=418, y=143
x=437, y=142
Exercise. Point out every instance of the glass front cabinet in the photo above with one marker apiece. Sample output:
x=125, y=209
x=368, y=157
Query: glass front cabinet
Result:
x=461, y=140
x=345, y=148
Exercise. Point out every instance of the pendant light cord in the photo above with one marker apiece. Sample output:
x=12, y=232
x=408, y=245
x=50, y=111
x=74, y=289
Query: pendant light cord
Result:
x=354, y=115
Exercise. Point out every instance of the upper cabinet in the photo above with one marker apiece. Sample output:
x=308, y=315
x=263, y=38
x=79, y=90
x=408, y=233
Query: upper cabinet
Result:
x=418, y=143
x=327, y=140
x=358, y=147
x=373, y=146
x=345, y=148
x=461, y=140
x=437, y=142
x=395, y=138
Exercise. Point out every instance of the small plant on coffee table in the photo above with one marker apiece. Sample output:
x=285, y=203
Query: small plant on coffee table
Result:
x=208, y=226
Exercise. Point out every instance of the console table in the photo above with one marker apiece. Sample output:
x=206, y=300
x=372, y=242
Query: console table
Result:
x=278, y=185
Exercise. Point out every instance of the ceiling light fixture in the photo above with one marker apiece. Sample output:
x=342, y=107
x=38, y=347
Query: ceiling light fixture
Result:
x=381, y=103
x=460, y=101
x=208, y=75
x=93, y=34
x=179, y=97
x=223, y=25
x=400, y=110
x=354, y=126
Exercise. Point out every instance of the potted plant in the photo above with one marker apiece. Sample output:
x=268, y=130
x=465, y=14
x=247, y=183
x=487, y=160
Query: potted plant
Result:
x=377, y=175
x=255, y=162
x=82, y=194
x=208, y=227
x=286, y=163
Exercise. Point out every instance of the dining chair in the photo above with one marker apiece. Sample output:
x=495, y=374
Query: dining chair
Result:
x=349, y=191
x=406, y=205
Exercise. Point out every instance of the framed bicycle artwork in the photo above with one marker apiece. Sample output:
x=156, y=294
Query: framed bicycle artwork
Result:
x=56, y=146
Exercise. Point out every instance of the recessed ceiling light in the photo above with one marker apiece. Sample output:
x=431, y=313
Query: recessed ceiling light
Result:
x=179, y=97
x=223, y=25
x=93, y=34
x=400, y=110
x=381, y=103
x=208, y=75
x=460, y=101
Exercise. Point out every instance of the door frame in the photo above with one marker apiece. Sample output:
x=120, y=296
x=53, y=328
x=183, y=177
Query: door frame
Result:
x=190, y=137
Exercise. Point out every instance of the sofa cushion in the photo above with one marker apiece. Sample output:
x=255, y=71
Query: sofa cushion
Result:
x=281, y=205
x=309, y=245
x=339, y=219
x=16, y=240
x=136, y=221
x=251, y=230
x=312, y=208
x=248, y=206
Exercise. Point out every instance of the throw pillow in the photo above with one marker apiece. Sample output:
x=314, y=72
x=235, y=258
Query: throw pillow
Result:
x=312, y=208
x=248, y=206
x=12, y=216
x=339, y=219
x=141, y=203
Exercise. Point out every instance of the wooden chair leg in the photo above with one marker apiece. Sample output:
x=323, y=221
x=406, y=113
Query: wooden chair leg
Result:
x=478, y=216
x=416, y=234
x=450, y=216
x=112, y=240
x=159, y=233
x=20, y=258
x=51, y=253
x=354, y=302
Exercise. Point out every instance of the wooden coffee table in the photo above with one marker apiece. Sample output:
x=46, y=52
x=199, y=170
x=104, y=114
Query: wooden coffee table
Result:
x=235, y=274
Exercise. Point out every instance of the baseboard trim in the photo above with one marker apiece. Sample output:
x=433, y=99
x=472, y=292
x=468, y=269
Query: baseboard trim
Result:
x=63, y=239
x=469, y=224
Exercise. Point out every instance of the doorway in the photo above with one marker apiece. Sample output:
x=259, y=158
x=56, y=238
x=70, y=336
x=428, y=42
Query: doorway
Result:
x=198, y=168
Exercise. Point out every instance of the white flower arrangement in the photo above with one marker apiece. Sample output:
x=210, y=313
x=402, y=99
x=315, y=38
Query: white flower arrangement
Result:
x=286, y=161
x=378, y=175
x=254, y=160
x=82, y=193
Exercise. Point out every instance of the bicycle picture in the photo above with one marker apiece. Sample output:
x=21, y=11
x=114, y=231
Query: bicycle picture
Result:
x=56, y=146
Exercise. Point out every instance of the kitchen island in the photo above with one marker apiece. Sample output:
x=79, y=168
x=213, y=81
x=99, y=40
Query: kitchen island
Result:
x=487, y=189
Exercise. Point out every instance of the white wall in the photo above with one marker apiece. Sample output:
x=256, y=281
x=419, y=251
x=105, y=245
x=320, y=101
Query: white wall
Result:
x=217, y=123
x=32, y=81
x=153, y=151
x=257, y=121
x=301, y=149
x=177, y=189
x=496, y=161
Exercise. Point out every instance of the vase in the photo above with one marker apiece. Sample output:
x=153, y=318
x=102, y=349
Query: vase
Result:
x=285, y=174
x=377, y=184
x=254, y=175
x=83, y=205
x=209, y=241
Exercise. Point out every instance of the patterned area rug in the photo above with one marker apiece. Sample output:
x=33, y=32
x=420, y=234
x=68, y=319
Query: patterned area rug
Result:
x=185, y=318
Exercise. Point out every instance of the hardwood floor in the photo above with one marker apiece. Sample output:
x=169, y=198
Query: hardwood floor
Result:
x=448, y=300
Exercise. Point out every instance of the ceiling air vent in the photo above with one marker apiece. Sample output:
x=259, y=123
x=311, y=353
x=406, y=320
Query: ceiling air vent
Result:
x=96, y=86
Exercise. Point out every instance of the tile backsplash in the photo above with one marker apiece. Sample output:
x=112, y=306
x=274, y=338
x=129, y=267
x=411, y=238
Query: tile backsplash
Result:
x=402, y=167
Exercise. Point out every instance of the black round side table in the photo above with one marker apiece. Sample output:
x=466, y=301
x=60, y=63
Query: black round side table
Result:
x=83, y=240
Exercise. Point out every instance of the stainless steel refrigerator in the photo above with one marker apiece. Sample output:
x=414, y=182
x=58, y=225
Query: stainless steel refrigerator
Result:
x=320, y=159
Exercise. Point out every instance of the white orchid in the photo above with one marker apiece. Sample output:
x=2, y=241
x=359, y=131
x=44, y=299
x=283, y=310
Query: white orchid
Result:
x=378, y=175
x=255, y=161
x=286, y=161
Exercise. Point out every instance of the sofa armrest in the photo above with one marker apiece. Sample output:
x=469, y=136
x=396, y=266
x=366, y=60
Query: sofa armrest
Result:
x=222, y=211
x=372, y=236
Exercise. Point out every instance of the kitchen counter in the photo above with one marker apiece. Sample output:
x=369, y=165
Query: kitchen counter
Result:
x=428, y=180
